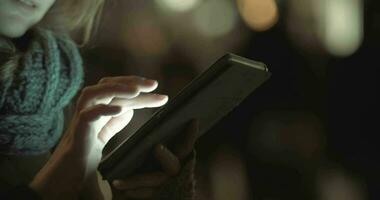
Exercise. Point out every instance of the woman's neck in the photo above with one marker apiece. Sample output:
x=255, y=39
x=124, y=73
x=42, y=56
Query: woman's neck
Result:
x=20, y=44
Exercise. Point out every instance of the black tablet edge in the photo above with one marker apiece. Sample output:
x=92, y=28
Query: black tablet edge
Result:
x=111, y=159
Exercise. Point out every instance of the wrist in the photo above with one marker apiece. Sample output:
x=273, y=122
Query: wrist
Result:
x=60, y=178
x=91, y=189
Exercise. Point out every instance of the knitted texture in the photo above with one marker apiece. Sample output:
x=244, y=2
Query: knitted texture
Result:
x=182, y=186
x=48, y=76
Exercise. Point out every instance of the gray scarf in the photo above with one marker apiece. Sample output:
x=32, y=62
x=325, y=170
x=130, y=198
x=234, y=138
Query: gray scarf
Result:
x=48, y=76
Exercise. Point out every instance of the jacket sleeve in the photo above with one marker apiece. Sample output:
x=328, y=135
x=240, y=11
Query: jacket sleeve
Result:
x=23, y=192
x=182, y=187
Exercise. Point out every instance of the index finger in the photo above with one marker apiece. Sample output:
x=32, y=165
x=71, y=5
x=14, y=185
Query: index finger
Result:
x=104, y=93
x=169, y=162
x=186, y=146
x=128, y=80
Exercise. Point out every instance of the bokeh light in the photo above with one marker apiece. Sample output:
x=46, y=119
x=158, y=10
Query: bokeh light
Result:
x=177, y=5
x=145, y=38
x=215, y=18
x=228, y=175
x=341, y=25
x=260, y=15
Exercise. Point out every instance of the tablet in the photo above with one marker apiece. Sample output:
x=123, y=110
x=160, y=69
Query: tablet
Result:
x=208, y=98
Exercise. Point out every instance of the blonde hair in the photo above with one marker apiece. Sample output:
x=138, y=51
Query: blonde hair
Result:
x=79, y=18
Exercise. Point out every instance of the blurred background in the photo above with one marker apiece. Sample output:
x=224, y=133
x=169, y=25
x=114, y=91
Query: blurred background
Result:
x=310, y=132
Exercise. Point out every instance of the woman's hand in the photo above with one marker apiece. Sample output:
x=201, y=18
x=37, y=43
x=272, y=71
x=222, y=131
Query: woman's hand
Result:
x=143, y=186
x=102, y=110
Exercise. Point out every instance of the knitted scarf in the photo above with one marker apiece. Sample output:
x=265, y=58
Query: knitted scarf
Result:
x=48, y=76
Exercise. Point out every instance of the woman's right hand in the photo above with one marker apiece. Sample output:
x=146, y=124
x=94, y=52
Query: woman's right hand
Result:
x=102, y=110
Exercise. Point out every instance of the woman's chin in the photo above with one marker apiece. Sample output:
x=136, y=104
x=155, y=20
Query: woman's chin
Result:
x=13, y=32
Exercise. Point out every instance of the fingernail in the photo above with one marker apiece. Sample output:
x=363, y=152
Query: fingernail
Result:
x=158, y=149
x=116, y=183
x=151, y=82
x=159, y=96
x=165, y=149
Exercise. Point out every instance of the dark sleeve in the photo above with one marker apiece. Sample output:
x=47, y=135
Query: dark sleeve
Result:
x=181, y=187
x=23, y=192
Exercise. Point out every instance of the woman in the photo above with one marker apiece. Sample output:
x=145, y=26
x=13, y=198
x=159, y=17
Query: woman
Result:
x=41, y=72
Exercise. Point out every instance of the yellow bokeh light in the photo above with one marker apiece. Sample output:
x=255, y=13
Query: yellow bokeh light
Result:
x=260, y=15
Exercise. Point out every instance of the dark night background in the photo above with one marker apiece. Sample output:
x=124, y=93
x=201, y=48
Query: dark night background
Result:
x=310, y=132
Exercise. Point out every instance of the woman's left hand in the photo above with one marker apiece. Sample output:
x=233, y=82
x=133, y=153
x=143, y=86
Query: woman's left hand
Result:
x=143, y=186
